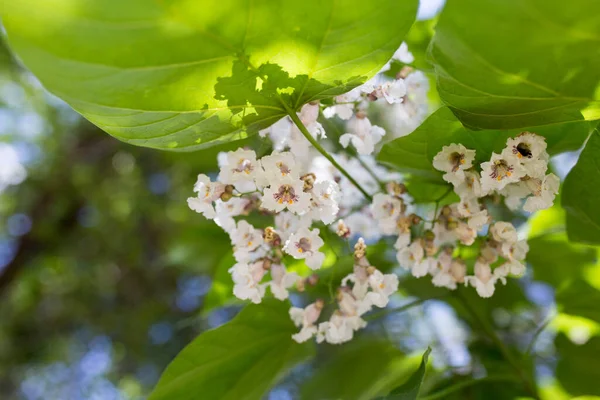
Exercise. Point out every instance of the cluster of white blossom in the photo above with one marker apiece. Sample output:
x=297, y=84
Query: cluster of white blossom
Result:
x=406, y=95
x=370, y=287
x=302, y=191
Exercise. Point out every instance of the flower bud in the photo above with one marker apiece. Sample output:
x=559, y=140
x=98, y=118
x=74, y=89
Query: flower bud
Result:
x=342, y=229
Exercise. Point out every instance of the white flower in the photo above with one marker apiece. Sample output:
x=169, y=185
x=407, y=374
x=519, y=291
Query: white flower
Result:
x=361, y=223
x=360, y=279
x=504, y=232
x=501, y=170
x=286, y=193
x=207, y=193
x=470, y=187
x=424, y=267
x=287, y=223
x=226, y=210
x=465, y=234
x=340, y=328
x=478, y=220
x=362, y=134
x=450, y=273
x=454, y=160
x=382, y=287
x=410, y=256
x=281, y=281
x=239, y=166
x=324, y=201
x=530, y=149
x=543, y=197
x=245, y=239
x=279, y=133
x=305, y=244
x=511, y=267
x=344, y=111
x=403, y=241
x=403, y=55
x=247, y=279
x=386, y=209
x=484, y=280
x=394, y=91
x=278, y=166
x=306, y=318
x=515, y=251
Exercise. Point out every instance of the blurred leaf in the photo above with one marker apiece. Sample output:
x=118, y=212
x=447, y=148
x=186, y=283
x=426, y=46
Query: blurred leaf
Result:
x=580, y=299
x=581, y=191
x=360, y=370
x=537, y=67
x=239, y=360
x=424, y=191
x=221, y=289
x=410, y=389
x=414, y=153
x=187, y=75
x=576, y=369
x=555, y=260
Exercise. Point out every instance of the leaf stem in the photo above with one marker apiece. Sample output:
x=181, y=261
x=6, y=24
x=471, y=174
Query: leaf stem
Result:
x=442, y=394
x=508, y=356
x=324, y=152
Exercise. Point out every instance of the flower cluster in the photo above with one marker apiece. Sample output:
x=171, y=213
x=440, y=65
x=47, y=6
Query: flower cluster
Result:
x=370, y=287
x=275, y=184
x=300, y=196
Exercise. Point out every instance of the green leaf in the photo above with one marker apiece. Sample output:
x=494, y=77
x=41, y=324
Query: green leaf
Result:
x=581, y=191
x=239, y=360
x=360, y=370
x=555, y=260
x=575, y=369
x=519, y=63
x=221, y=289
x=579, y=298
x=186, y=74
x=410, y=389
x=414, y=153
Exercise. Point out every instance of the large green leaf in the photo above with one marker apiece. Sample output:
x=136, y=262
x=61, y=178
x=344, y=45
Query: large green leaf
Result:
x=575, y=369
x=239, y=360
x=581, y=191
x=504, y=64
x=580, y=299
x=360, y=370
x=555, y=260
x=414, y=153
x=410, y=389
x=185, y=74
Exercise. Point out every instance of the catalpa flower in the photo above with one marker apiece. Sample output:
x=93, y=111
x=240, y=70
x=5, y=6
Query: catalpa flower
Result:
x=484, y=280
x=544, y=192
x=454, y=160
x=286, y=193
x=247, y=279
x=305, y=244
x=245, y=239
x=362, y=134
x=278, y=166
x=501, y=170
x=382, y=287
x=281, y=281
x=324, y=201
x=239, y=166
x=306, y=318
